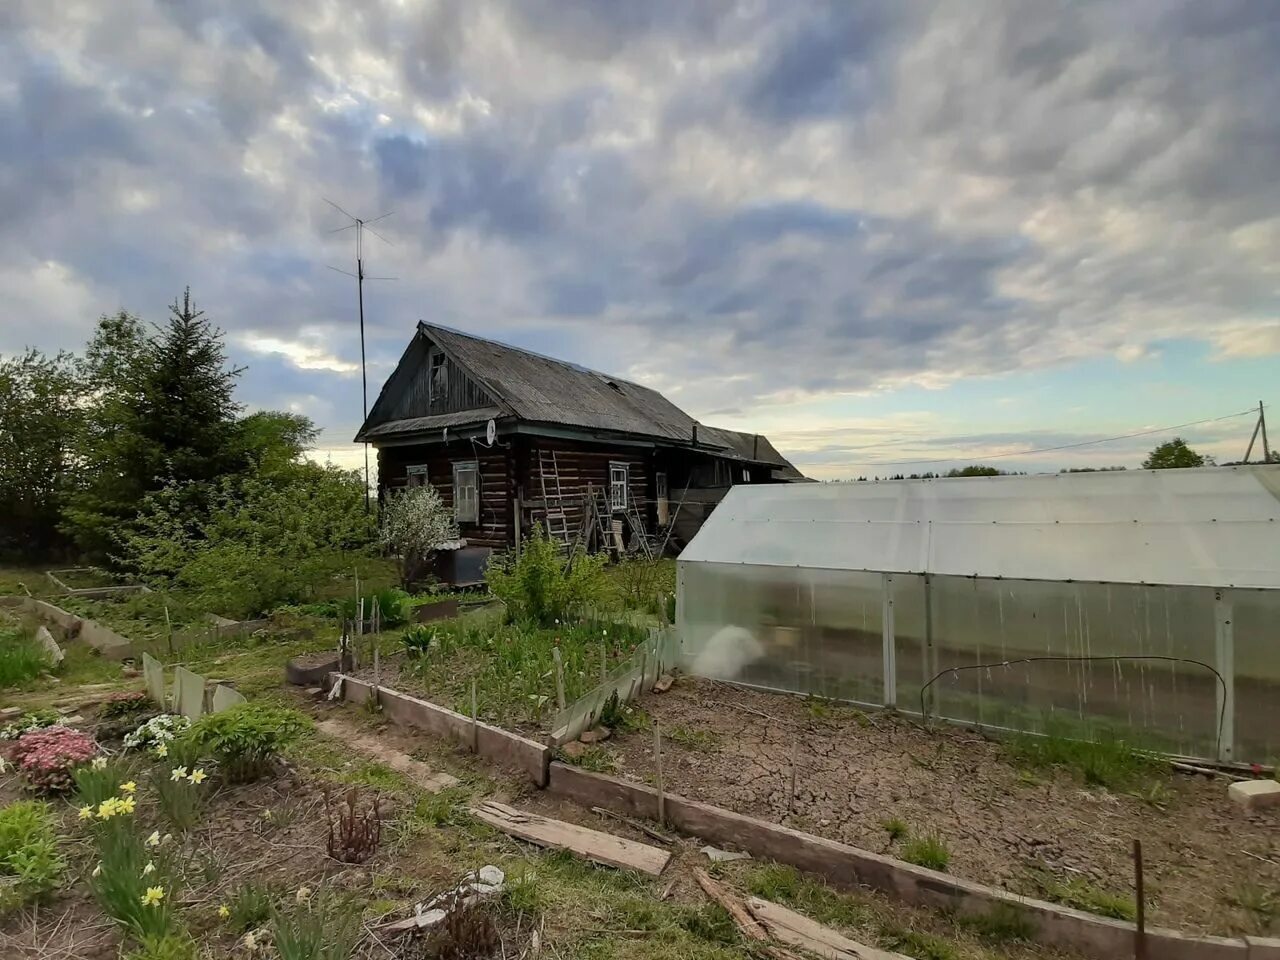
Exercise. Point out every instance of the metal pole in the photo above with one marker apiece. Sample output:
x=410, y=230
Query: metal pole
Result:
x=890, y=696
x=364, y=379
x=1224, y=648
x=1140, y=935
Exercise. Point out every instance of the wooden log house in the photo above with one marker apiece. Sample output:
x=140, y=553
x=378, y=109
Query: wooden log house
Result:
x=513, y=439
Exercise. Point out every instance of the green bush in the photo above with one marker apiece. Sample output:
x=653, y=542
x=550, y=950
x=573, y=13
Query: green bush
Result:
x=246, y=738
x=393, y=607
x=542, y=587
x=21, y=658
x=28, y=853
x=417, y=641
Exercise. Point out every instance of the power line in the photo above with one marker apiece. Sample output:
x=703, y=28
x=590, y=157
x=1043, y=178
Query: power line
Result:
x=1063, y=446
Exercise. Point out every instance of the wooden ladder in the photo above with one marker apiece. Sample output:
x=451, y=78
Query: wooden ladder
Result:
x=554, y=519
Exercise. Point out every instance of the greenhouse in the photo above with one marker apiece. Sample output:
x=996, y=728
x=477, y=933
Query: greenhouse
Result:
x=1141, y=603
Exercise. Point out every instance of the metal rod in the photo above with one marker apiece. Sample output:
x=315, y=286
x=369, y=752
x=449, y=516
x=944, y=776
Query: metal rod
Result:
x=657, y=770
x=1262, y=422
x=1140, y=935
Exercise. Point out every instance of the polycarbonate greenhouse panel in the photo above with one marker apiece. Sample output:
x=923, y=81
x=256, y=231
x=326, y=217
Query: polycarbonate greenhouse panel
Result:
x=1141, y=662
x=1213, y=527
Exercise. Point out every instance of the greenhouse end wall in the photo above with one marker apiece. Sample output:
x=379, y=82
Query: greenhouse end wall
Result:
x=1196, y=670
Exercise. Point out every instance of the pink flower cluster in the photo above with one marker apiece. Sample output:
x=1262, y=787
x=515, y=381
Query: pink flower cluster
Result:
x=46, y=757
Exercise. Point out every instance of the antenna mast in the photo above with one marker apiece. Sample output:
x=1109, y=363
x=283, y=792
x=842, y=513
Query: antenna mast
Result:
x=1259, y=427
x=360, y=227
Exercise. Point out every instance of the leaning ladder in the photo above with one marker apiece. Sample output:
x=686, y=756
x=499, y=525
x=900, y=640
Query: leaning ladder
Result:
x=554, y=519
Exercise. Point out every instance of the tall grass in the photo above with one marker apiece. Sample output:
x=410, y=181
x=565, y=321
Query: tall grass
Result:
x=1098, y=757
x=21, y=658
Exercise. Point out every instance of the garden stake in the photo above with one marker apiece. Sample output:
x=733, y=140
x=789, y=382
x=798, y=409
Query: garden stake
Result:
x=791, y=796
x=475, y=716
x=555, y=654
x=1140, y=935
x=168, y=629
x=657, y=766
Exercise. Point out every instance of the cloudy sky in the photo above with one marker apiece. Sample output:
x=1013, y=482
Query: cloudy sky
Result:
x=877, y=232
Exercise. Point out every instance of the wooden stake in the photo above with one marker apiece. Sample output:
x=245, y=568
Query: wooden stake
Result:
x=555, y=655
x=791, y=796
x=657, y=769
x=1140, y=935
x=475, y=716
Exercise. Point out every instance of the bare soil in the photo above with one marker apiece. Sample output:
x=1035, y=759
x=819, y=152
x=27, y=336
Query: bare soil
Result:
x=1004, y=826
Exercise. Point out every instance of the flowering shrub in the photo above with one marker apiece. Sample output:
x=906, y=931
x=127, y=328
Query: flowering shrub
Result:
x=157, y=733
x=47, y=757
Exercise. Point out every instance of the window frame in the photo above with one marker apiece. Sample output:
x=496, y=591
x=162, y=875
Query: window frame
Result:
x=415, y=475
x=619, y=504
x=461, y=467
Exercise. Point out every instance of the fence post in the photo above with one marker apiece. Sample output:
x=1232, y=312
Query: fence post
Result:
x=1225, y=662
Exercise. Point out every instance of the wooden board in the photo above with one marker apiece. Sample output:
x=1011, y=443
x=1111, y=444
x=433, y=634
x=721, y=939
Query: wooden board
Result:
x=415, y=770
x=798, y=930
x=599, y=847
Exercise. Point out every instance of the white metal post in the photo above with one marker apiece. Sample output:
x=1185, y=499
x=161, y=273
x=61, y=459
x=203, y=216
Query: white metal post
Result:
x=1225, y=661
x=890, y=697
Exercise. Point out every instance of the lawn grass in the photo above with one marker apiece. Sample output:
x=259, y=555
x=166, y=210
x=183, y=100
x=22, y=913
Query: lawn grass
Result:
x=1084, y=895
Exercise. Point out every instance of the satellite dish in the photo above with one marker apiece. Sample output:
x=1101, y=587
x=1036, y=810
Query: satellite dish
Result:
x=490, y=432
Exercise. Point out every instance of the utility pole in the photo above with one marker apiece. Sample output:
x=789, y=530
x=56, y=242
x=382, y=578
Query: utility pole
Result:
x=1259, y=428
x=360, y=227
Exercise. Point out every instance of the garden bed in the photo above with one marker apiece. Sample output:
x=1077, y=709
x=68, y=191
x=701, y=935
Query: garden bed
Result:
x=884, y=783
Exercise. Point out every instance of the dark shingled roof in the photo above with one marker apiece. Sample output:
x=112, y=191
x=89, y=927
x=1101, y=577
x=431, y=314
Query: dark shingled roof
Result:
x=539, y=389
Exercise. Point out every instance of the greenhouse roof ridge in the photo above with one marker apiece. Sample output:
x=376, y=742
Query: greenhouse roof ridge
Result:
x=1208, y=527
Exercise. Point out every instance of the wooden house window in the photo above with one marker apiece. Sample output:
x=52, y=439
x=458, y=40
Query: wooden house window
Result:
x=619, y=473
x=466, y=492
x=416, y=475
x=438, y=380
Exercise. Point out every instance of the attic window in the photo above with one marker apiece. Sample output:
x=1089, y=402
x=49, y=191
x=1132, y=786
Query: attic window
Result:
x=439, y=376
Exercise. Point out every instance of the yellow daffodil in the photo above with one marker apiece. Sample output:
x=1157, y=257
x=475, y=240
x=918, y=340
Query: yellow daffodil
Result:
x=177, y=773
x=154, y=839
x=108, y=808
x=224, y=911
x=152, y=897
x=129, y=786
x=162, y=750
x=126, y=805
x=97, y=871
x=99, y=763
x=197, y=776
x=149, y=869
x=86, y=812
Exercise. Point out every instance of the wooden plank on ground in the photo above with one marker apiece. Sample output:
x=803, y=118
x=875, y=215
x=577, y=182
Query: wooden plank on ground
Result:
x=599, y=847
x=798, y=930
x=415, y=770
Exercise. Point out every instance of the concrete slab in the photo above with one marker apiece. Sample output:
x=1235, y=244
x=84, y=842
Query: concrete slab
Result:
x=1255, y=794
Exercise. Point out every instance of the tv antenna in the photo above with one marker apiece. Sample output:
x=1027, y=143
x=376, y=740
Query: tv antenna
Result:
x=360, y=227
